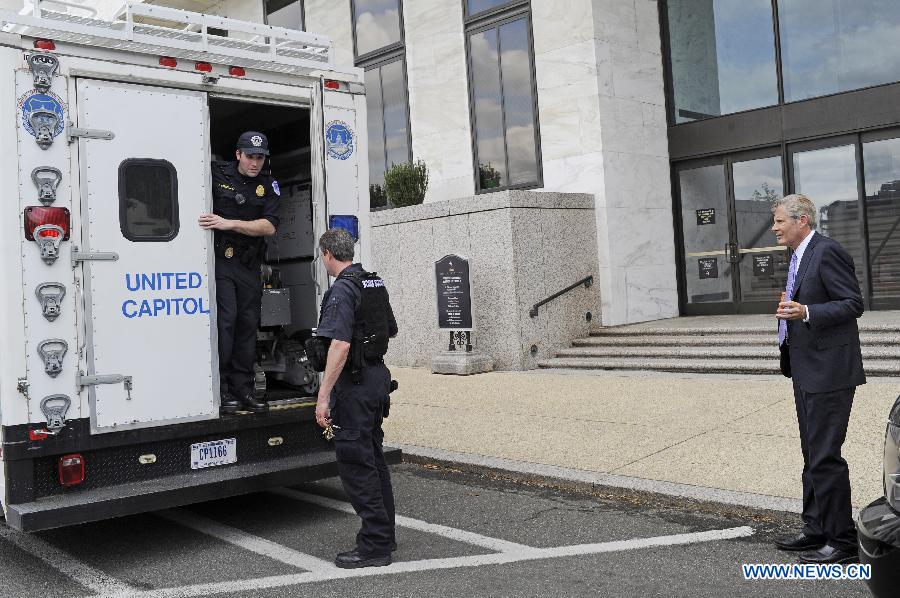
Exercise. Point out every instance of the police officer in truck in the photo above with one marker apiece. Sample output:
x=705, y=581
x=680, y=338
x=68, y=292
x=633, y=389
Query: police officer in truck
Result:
x=245, y=209
x=353, y=399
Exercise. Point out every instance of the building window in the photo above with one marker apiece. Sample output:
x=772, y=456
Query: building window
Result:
x=503, y=98
x=722, y=57
x=476, y=7
x=148, y=200
x=388, y=124
x=379, y=47
x=376, y=25
x=286, y=13
x=830, y=46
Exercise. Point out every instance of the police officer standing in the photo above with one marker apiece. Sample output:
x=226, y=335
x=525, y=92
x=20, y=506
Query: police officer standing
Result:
x=356, y=316
x=245, y=209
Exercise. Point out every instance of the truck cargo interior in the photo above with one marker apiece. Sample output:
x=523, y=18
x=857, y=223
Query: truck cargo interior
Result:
x=289, y=295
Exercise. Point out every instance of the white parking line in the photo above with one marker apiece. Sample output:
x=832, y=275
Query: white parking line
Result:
x=527, y=554
x=246, y=541
x=93, y=579
x=431, y=528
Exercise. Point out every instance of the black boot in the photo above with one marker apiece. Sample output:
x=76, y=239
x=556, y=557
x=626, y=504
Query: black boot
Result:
x=229, y=404
x=251, y=404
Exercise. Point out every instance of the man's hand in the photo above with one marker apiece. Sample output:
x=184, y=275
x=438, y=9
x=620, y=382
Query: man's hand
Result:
x=790, y=310
x=214, y=221
x=323, y=413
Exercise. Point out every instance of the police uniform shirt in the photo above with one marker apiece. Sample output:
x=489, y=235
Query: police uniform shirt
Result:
x=339, y=308
x=259, y=194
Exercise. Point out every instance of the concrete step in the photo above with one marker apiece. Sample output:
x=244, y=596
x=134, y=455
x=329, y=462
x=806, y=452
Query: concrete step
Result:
x=878, y=353
x=720, y=366
x=715, y=340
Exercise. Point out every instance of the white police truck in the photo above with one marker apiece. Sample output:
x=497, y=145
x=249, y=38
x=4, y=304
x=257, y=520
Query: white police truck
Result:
x=109, y=389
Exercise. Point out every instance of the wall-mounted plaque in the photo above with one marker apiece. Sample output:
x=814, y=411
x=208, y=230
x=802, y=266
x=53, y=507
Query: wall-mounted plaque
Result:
x=706, y=216
x=454, y=293
x=763, y=265
x=709, y=267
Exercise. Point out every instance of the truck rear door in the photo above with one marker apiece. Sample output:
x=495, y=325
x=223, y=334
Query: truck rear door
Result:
x=150, y=328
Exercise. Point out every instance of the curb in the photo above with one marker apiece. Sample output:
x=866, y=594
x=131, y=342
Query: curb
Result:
x=581, y=480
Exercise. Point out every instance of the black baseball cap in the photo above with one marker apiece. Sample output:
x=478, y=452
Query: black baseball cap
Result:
x=253, y=142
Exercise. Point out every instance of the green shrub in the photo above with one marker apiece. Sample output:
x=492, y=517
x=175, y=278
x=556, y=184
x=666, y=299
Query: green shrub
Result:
x=377, y=197
x=406, y=183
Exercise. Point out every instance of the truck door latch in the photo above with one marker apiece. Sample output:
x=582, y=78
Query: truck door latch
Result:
x=43, y=67
x=46, y=179
x=52, y=352
x=107, y=379
x=76, y=132
x=55, y=408
x=50, y=294
x=81, y=256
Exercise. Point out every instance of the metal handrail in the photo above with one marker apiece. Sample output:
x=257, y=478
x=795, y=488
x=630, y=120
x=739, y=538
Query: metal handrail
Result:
x=587, y=282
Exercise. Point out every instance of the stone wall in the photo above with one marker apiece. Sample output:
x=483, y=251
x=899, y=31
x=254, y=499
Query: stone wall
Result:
x=522, y=247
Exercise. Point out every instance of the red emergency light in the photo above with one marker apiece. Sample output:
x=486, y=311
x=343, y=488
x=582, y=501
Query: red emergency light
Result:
x=331, y=84
x=36, y=216
x=168, y=61
x=38, y=434
x=203, y=67
x=44, y=44
x=237, y=71
x=71, y=470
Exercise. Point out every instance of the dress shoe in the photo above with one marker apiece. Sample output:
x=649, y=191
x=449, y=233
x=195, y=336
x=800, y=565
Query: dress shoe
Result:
x=229, y=404
x=799, y=542
x=251, y=404
x=354, y=559
x=829, y=554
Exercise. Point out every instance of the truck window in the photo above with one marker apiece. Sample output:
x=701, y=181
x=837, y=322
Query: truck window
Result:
x=148, y=200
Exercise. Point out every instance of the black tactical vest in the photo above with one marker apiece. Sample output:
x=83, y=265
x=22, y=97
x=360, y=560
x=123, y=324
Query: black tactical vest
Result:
x=371, y=330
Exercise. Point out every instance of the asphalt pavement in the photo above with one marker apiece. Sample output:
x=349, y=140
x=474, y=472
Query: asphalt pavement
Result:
x=460, y=533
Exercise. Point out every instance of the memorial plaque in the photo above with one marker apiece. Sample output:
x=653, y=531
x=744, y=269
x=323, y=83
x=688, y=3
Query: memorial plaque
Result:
x=709, y=267
x=706, y=216
x=454, y=293
x=763, y=265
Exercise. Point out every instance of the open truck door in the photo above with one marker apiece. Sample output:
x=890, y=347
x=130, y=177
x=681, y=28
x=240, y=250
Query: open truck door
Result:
x=150, y=327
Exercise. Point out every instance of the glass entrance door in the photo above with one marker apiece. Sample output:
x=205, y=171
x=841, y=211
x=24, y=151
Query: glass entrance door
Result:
x=731, y=263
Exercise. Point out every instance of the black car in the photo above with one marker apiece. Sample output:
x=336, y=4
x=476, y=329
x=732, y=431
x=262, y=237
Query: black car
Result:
x=878, y=526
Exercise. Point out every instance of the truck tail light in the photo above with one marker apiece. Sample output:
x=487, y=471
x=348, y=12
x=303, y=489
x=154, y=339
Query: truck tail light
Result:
x=38, y=434
x=36, y=216
x=44, y=44
x=168, y=61
x=71, y=470
x=203, y=67
x=237, y=71
x=331, y=84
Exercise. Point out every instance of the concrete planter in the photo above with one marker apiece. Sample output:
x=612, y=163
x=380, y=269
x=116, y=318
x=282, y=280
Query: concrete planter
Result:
x=522, y=247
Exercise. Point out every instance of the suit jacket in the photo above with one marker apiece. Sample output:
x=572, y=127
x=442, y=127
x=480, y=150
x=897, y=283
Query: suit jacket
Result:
x=823, y=355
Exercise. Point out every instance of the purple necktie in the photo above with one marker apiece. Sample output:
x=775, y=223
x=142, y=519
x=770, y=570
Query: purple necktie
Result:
x=788, y=291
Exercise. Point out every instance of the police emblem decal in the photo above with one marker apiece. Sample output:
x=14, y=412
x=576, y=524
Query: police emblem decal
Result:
x=229, y=252
x=256, y=140
x=339, y=140
x=260, y=191
x=42, y=100
x=276, y=188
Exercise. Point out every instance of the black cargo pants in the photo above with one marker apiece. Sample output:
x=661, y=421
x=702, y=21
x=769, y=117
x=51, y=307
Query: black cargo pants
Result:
x=238, y=301
x=358, y=443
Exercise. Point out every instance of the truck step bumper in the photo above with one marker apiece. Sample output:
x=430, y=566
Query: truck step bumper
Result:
x=175, y=491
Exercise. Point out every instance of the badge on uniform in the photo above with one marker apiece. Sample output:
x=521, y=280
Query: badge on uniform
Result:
x=260, y=191
x=229, y=252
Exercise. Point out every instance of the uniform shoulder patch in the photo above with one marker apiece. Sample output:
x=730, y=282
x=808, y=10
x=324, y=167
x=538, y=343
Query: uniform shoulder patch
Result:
x=276, y=188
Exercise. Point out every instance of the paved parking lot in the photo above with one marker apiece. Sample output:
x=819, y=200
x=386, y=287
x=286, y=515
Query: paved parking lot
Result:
x=459, y=534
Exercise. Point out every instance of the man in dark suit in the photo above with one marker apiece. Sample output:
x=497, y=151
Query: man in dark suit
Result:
x=819, y=342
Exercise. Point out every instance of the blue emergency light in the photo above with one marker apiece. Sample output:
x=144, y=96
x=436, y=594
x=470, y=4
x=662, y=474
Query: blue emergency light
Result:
x=348, y=223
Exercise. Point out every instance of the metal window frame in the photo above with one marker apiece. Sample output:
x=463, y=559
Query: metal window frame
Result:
x=302, y=3
x=378, y=52
x=491, y=13
x=494, y=19
x=173, y=200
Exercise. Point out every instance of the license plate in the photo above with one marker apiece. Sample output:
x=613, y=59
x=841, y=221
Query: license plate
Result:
x=213, y=453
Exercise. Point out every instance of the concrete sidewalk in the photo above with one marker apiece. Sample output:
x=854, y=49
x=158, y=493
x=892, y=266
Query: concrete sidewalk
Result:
x=719, y=434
